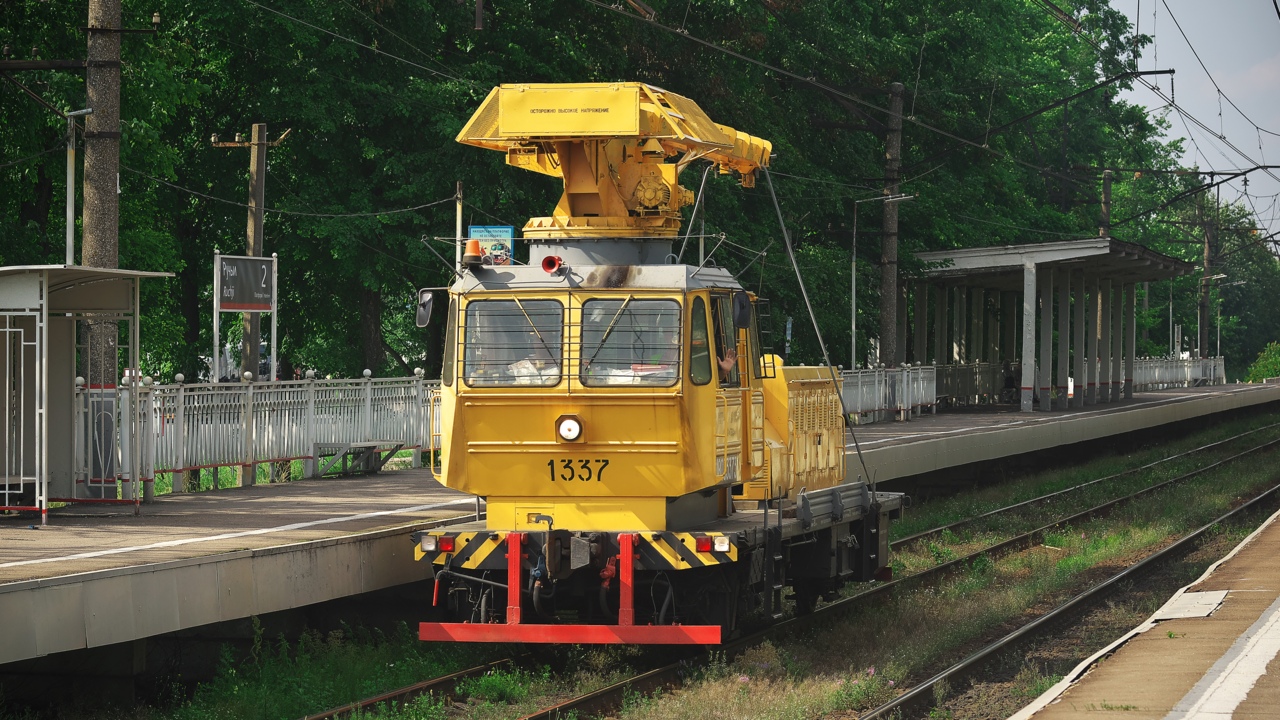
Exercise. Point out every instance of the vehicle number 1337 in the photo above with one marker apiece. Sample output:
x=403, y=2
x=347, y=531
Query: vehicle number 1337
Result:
x=566, y=469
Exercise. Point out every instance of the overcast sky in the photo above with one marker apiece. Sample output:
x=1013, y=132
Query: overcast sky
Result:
x=1239, y=42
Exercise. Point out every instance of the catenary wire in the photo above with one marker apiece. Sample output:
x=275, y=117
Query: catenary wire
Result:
x=1221, y=94
x=828, y=89
x=29, y=158
x=287, y=212
x=372, y=49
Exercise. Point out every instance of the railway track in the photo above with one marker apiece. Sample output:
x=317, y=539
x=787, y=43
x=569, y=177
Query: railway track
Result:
x=925, y=535
x=610, y=698
x=920, y=697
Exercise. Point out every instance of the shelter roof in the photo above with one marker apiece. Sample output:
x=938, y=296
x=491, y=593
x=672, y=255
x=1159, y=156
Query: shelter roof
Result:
x=61, y=276
x=71, y=288
x=1001, y=267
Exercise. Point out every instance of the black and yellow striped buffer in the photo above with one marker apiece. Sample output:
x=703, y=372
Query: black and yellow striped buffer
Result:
x=485, y=550
x=472, y=551
x=678, y=551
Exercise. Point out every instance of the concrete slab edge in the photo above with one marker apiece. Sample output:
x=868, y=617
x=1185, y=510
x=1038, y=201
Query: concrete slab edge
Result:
x=304, y=546
x=1079, y=671
x=105, y=607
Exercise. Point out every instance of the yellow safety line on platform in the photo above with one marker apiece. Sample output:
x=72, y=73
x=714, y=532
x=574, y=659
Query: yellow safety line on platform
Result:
x=243, y=533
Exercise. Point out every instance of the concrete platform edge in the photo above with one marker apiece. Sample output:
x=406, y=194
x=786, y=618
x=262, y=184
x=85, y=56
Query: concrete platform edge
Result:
x=936, y=453
x=1079, y=671
x=52, y=615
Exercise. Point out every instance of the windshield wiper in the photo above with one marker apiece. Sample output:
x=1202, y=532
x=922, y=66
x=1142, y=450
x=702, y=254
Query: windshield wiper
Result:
x=609, y=331
x=542, y=340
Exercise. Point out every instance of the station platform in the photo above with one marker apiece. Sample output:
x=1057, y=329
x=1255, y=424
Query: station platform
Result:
x=1207, y=654
x=980, y=433
x=99, y=576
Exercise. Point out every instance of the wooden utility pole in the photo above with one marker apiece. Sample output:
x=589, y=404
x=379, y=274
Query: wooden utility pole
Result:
x=889, y=241
x=250, y=356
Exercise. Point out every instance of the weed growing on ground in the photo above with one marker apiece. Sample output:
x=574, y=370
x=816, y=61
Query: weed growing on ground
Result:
x=280, y=679
x=865, y=690
x=497, y=687
x=1031, y=682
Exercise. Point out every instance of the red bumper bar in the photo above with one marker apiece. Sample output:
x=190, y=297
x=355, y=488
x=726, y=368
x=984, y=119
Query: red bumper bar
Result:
x=571, y=634
x=625, y=632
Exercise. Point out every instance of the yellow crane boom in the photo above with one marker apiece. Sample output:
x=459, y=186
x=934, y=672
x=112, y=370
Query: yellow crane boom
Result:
x=610, y=143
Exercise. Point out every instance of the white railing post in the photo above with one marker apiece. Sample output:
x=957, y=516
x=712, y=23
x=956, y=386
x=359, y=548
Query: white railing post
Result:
x=368, y=406
x=419, y=418
x=311, y=464
x=180, y=438
x=249, y=476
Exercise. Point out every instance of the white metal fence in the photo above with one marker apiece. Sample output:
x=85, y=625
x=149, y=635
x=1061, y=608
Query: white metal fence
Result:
x=204, y=425
x=878, y=394
x=973, y=383
x=1162, y=373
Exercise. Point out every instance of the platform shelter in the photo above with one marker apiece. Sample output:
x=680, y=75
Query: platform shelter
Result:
x=66, y=333
x=981, y=306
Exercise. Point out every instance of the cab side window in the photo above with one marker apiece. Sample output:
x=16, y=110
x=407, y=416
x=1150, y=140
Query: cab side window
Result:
x=450, y=344
x=726, y=339
x=699, y=345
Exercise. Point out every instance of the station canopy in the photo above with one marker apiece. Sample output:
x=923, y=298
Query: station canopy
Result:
x=1001, y=268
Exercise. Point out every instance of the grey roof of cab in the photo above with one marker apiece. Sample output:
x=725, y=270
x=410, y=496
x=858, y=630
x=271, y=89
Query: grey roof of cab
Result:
x=596, y=277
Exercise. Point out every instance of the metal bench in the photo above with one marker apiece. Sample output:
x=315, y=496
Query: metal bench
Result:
x=343, y=458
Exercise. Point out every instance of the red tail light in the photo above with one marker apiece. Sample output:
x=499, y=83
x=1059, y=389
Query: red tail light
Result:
x=446, y=543
x=702, y=544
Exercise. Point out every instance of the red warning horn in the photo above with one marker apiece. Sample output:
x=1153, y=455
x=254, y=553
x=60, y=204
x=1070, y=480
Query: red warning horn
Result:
x=551, y=264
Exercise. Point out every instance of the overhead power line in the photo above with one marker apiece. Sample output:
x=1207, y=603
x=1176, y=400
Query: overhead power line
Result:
x=1206, y=71
x=357, y=43
x=825, y=88
x=278, y=211
x=29, y=158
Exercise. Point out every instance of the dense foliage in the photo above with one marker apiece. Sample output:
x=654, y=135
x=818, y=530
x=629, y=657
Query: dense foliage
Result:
x=1267, y=364
x=375, y=91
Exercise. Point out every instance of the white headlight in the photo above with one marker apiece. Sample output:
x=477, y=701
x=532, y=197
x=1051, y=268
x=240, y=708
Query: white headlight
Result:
x=570, y=429
x=429, y=543
x=721, y=543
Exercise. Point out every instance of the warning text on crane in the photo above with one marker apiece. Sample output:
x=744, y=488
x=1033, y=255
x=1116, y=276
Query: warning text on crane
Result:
x=569, y=112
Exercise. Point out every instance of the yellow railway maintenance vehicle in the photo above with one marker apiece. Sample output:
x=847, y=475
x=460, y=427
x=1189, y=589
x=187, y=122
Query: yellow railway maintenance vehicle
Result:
x=650, y=473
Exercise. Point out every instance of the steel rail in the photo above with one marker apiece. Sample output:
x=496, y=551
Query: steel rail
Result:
x=443, y=685
x=609, y=698
x=919, y=694
x=926, y=534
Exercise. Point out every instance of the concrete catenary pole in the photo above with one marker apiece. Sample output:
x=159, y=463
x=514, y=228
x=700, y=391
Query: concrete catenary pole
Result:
x=1202, y=307
x=102, y=138
x=100, y=246
x=889, y=240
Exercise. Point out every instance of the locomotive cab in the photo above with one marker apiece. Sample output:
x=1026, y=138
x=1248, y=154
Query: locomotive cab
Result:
x=606, y=409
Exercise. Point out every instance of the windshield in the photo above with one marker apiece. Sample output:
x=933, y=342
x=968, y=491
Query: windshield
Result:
x=511, y=342
x=630, y=342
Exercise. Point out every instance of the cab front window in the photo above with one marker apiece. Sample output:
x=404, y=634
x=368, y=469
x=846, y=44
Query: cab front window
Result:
x=513, y=342
x=626, y=341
